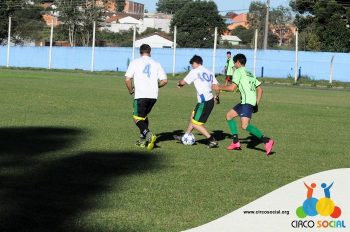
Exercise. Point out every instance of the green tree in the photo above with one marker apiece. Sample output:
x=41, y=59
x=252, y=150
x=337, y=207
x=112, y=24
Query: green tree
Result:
x=246, y=35
x=120, y=5
x=196, y=23
x=256, y=19
x=280, y=21
x=170, y=6
x=309, y=41
x=27, y=23
x=78, y=18
x=324, y=23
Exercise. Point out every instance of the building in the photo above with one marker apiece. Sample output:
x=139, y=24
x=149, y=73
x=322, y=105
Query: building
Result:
x=132, y=8
x=238, y=20
x=121, y=22
x=124, y=22
x=155, y=41
x=158, y=21
x=48, y=19
x=231, y=39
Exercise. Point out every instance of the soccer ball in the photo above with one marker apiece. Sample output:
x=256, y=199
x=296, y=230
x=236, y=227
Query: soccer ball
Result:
x=188, y=139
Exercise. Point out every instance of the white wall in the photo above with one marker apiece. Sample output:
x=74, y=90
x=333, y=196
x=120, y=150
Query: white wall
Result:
x=162, y=24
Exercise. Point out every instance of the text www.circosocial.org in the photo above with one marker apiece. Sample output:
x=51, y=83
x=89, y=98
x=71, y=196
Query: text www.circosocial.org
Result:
x=282, y=212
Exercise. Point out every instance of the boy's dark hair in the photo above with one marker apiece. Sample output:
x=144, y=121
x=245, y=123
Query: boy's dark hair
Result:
x=241, y=58
x=196, y=59
x=228, y=53
x=145, y=48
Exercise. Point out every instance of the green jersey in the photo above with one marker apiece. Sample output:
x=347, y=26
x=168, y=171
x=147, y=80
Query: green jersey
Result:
x=229, y=67
x=247, y=84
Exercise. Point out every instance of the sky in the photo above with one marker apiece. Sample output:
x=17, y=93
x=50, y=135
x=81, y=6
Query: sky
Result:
x=223, y=5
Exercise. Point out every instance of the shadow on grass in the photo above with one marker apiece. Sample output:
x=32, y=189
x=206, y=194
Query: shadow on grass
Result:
x=219, y=135
x=168, y=136
x=252, y=143
x=50, y=194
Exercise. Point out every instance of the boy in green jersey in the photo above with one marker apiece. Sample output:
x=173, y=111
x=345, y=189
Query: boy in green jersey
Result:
x=229, y=69
x=251, y=93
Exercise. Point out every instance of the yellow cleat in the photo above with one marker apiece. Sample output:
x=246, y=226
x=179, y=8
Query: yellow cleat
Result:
x=150, y=145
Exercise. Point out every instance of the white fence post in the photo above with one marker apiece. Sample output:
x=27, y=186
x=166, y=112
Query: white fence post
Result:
x=133, y=43
x=296, y=56
x=255, y=50
x=174, y=54
x=8, y=43
x=331, y=71
x=93, y=46
x=214, y=51
x=50, y=50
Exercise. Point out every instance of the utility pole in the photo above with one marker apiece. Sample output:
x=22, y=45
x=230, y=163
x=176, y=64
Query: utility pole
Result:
x=266, y=24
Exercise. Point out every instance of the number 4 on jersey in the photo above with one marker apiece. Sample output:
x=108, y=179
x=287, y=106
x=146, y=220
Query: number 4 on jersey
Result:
x=147, y=70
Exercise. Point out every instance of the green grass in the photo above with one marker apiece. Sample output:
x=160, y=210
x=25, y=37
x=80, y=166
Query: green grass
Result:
x=68, y=160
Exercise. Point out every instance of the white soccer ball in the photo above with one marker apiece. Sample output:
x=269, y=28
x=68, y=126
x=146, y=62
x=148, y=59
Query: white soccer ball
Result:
x=188, y=139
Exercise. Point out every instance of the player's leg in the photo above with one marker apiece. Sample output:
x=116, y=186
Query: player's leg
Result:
x=246, y=125
x=231, y=114
x=142, y=107
x=139, y=117
x=150, y=137
x=188, y=130
x=200, y=117
x=190, y=125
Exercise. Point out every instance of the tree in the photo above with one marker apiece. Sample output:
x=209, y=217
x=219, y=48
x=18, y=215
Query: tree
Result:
x=246, y=35
x=78, y=18
x=120, y=5
x=280, y=19
x=170, y=6
x=196, y=23
x=324, y=24
x=26, y=21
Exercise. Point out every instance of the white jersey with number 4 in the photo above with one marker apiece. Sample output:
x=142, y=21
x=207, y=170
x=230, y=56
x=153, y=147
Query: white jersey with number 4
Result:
x=203, y=80
x=146, y=73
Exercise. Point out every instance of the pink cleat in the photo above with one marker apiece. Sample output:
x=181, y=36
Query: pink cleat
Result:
x=234, y=146
x=268, y=146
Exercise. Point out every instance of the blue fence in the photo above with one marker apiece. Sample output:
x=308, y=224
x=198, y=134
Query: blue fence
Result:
x=274, y=63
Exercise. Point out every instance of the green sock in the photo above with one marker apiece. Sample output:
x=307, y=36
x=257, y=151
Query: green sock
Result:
x=254, y=131
x=232, y=126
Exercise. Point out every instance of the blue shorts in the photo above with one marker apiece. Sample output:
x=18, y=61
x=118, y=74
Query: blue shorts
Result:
x=244, y=110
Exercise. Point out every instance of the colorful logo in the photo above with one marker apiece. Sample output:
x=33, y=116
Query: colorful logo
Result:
x=324, y=206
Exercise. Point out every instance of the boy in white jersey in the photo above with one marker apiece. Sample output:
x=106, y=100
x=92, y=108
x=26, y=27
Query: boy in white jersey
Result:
x=203, y=80
x=148, y=76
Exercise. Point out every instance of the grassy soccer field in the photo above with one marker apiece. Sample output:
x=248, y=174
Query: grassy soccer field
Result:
x=68, y=160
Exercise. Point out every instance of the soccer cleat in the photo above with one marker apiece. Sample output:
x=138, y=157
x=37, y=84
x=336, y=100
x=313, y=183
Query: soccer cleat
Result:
x=213, y=144
x=268, y=146
x=141, y=143
x=151, y=139
x=234, y=146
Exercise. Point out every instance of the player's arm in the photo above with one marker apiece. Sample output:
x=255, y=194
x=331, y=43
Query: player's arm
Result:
x=162, y=83
x=181, y=83
x=128, y=83
x=229, y=88
x=259, y=94
x=161, y=77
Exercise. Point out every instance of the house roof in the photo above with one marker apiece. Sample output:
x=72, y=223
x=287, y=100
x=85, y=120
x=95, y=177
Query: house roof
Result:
x=117, y=16
x=155, y=36
x=230, y=38
x=239, y=20
x=129, y=20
